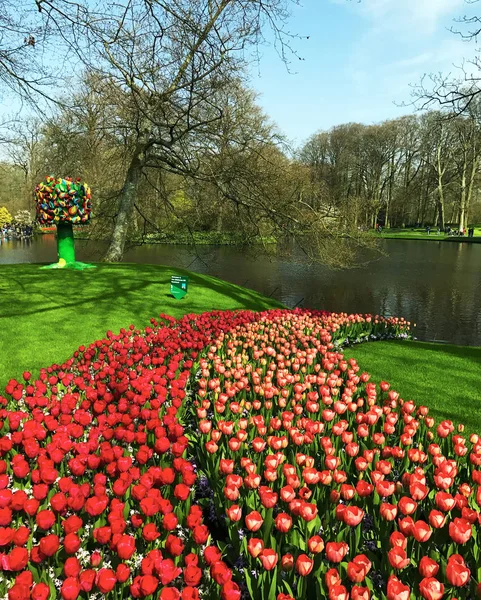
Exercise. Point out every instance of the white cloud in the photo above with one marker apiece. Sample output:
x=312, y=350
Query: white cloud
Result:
x=399, y=42
x=409, y=15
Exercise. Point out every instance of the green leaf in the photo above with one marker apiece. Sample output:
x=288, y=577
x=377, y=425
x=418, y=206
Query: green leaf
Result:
x=289, y=589
x=249, y=584
x=271, y=595
x=268, y=525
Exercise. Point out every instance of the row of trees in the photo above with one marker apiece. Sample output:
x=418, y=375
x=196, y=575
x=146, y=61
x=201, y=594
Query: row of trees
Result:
x=419, y=169
x=416, y=170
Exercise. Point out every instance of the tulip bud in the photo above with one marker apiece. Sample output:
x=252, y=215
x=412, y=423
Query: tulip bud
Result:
x=287, y=562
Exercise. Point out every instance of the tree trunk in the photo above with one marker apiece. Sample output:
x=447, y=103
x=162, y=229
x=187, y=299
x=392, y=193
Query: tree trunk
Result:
x=462, y=202
x=469, y=195
x=441, y=172
x=127, y=198
x=441, y=215
x=387, y=218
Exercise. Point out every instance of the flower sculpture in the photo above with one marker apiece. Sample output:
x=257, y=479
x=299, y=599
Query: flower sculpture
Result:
x=64, y=203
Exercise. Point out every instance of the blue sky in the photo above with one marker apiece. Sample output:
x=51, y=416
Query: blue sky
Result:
x=359, y=61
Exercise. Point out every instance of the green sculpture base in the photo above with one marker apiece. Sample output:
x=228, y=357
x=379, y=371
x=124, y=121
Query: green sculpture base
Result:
x=66, y=250
x=75, y=266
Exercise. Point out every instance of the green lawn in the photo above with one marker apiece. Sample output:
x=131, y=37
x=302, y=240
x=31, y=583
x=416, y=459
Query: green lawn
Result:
x=45, y=315
x=445, y=378
x=420, y=234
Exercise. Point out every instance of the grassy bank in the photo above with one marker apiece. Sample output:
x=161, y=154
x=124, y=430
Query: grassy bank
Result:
x=46, y=315
x=420, y=234
x=443, y=377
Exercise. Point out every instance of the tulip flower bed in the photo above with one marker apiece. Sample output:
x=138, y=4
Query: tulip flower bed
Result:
x=330, y=486
x=321, y=484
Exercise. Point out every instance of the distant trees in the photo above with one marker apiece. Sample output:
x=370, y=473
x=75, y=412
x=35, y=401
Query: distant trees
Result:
x=414, y=170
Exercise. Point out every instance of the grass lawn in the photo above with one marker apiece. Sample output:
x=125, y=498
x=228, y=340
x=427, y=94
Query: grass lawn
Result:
x=45, y=315
x=445, y=378
x=420, y=234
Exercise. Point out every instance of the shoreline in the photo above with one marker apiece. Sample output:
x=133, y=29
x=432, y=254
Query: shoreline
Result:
x=433, y=238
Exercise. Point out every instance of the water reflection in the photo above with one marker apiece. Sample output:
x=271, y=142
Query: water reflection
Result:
x=435, y=284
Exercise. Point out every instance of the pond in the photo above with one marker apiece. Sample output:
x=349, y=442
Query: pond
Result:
x=436, y=285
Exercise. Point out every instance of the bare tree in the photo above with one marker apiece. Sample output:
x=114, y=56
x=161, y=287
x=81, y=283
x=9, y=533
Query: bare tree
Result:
x=456, y=90
x=168, y=58
x=25, y=65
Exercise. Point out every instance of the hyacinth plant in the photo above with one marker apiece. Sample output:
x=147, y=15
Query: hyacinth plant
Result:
x=64, y=203
x=230, y=455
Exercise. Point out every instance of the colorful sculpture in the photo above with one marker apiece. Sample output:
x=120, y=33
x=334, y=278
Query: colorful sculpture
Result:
x=64, y=203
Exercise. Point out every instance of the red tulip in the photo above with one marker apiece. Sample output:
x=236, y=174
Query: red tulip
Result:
x=49, y=544
x=445, y=501
x=255, y=547
x=338, y=592
x=45, y=519
x=192, y=575
x=315, y=544
x=332, y=578
x=431, y=588
x=234, y=513
x=398, y=558
x=407, y=505
x=40, y=591
x=396, y=590
x=356, y=572
x=457, y=574
x=122, y=573
x=105, y=580
x=421, y=531
x=353, y=515
x=254, y=521
x=287, y=493
x=406, y=525
x=125, y=547
x=70, y=589
x=283, y=522
x=268, y=558
x=72, y=567
x=287, y=562
x=388, y=511
x=460, y=530
x=398, y=539
x=336, y=551
x=364, y=489
x=148, y=585
x=437, y=519
x=304, y=565
x=212, y=554
x=220, y=573
x=226, y=466
x=17, y=559
x=385, y=488
x=360, y=593
x=428, y=567
x=308, y=512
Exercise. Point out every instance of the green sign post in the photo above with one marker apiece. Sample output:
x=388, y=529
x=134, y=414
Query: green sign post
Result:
x=178, y=286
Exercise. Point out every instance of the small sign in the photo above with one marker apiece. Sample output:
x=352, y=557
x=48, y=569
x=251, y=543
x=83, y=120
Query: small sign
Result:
x=178, y=286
